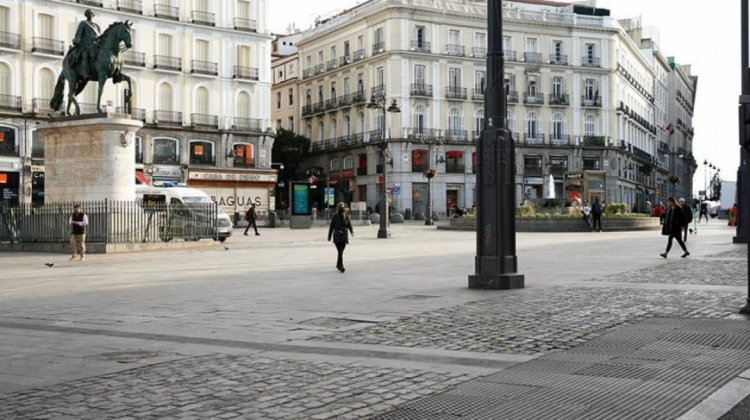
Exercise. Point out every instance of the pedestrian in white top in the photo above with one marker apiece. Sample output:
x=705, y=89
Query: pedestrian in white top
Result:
x=586, y=211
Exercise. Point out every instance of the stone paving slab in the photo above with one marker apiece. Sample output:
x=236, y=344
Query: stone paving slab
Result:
x=224, y=387
x=662, y=387
x=541, y=320
x=725, y=272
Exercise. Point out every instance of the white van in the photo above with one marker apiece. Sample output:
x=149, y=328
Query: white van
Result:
x=181, y=195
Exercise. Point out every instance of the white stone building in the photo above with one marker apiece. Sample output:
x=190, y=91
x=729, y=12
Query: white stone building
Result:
x=202, y=81
x=580, y=91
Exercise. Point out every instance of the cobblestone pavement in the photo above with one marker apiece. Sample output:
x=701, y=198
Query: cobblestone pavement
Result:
x=727, y=272
x=537, y=321
x=740, y=252
x=228, y=387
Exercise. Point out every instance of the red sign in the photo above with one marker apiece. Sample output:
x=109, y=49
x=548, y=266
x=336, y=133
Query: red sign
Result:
x=380, y=179
x=3, y=178
x=312, y=179
x=574, y=195
x=389, y=190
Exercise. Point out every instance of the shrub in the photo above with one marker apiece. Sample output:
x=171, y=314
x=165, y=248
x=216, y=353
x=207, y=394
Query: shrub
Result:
x=526, y=210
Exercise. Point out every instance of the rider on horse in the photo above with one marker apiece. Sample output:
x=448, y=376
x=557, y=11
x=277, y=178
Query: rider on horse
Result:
x=84, y=41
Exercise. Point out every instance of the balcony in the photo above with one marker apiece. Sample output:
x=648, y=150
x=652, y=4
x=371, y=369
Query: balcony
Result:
x=664, y=147
x=362, y=171
x=318, y=108
x=456, y=135
x=307, y=110
x=533, y=169
x=240, y=162
x=332, y=104
x=377, y=91
x=163, y=62
x=204, y=67
x=247, y=25
x=245, y=73
x=558, y=59
x=560, y=139
x=533, y=98
x=204, y=159
x=345, y=59
x=510, y=55
x=533, y=138
x=511, y=96
x=203, y=18
x=307, y=73
x=455, y=92
x=248, y=125
x=559, y=99
x=359, y=55
x=167, y=12
x=594, y=141
x=422, y=133
x=332, y=64
x=532, y=57
x=134, y=58
x=41, y=106
x=319, y=69
x=135, y=113
x=130, y=6
x=167, y=118
x=455, y=50
x=87, y=108
x=95, y=3
x=590, y=101
x=10, y=40
x=204, y=121
x=477, y=94
x=374, y=135
x=591, y=62
x=421, y=46
x=419, y=167
x=479, y=52
x=455, y=168
x=359, y=98
x=345, y=100
x=10, y=103
x=47, y=46
x=421, y=90
x=378, y=48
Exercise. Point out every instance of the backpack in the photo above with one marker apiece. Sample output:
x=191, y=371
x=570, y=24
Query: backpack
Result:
x=596, y=208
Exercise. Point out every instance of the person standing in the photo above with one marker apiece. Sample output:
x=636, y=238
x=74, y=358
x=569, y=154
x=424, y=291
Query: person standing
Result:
x=673, y=225
x=596, y=212
x=733, y=213
x=251, y=217
x=78, y=222
x=704, y=212
x=340, y=228
x=586, y=211
x=688, y=218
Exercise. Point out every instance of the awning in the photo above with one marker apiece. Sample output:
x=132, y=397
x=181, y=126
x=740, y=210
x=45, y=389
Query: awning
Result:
x=141, y=179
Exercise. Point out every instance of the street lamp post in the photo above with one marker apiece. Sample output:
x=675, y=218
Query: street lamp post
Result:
x=428, y=214
x=378, y=101
x=744, y=178
x=705, y=179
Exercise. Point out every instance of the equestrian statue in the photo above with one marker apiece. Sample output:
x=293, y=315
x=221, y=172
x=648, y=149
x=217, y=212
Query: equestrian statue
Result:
x=93, y=57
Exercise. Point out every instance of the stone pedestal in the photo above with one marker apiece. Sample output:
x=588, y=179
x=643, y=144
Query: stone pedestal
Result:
x=89, y=159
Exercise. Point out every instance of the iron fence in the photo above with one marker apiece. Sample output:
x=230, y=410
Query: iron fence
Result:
x=111, y=222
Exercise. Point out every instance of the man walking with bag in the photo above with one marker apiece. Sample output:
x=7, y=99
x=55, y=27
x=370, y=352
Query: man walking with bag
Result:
x=250, y=217
x=673, y=226
x=340, y=228
x=78, y=222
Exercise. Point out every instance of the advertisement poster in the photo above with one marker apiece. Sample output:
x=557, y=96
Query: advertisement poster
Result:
x=301, y=199
x=330, y=196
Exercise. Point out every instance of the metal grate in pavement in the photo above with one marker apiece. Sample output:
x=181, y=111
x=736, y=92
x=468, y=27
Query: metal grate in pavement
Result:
x=494, y=391
x=627, y=339
x=326, y=322
x=457, y=405
x=717, y=327
x=127, y=356
x=703, y=377
x=401, y=414
x=736, y=342
x=619, y=371
x=417, y=297
x=522, y=410
x=703, y=339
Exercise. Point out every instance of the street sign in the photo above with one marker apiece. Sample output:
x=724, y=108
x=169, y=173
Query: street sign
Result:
x=397, y=189
x=380, y=179
x=390, y=190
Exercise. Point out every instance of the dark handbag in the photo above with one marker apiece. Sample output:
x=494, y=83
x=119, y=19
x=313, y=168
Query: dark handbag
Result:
x=339, y=235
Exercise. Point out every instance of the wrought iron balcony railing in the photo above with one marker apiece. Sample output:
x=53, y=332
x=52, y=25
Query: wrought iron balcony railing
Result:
x=10, y=40
x=359, y=55
x=204, y=67
x=533, y=98
x=131, y=6
x=456, y=135
x=134, y=58
x=421, y=90
x=455, y=92
x=510, y=55
x=559, y=99
x=455, y=168
x=250, y=125
x=332, y=64
x=560, y=139
x=378, y=48
x=477, y=94
x=420, y=46
x=167, y=117
x=479, y=52
x=10, y=103
x=377, y=91
x=532, y=57
x=166, y=12
x=455, y=50
x=591, y=62
x=204, y=120
x=164, y=62
x=47, y=46
x=533, y=138
x=41, y=106
x=512, y=96
x=246, y=73
x=319, y=68
x=247, y=25
x=203, y=18
x=591, y=101
x=345, y=59
x=559, y=59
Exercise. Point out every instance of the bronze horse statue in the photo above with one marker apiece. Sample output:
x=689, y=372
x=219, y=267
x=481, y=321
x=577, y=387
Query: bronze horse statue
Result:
x=106, y=63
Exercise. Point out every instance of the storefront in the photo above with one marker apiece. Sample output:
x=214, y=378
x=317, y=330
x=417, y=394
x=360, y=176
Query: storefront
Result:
x=587, y=185
x=166, y=174
x=10, y=183
x=233, y=191
x=37, y=185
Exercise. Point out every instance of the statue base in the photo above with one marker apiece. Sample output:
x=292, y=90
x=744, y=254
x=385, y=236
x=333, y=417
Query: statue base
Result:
x=89, y=158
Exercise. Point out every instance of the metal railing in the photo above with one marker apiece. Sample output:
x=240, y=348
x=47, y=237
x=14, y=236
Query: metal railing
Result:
x=591, y=62
x=560, y=139
x=167, y=117
x=319, y=68
x=377, y=91
x=510, y=55
x=559, y=99
x=359, y=97
x=111, y=222
x=479, y=52
x=421, y=89
x=512, y=96
x=455, y=168
x=47, y=46
x=378, y=48
x=477, y=94
x=203, y=18
x=345, y=100
x=359, y=55
x=345, y=59
x=10, y=103
x=204, y=67
x=247, y=25
x=305, y=73
x=422, y=133
x=204, y=120
x=420, y=46
x=253, y=125
x=532, y=57
x=533, y=138
x=167, y=63
x=331, y=104
x=455, y=50
x=455, y=92
x=456, y=135
x=132, y=6
x=10, y=40
x=41, y=106
x=559, y=59
x=533, y=98
x=247, y=73
x=134, y=58
x=307, y=110
x=135, y=113
x=591, y=101
x=166, y=12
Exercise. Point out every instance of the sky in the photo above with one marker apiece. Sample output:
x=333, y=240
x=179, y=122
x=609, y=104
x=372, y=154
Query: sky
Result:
x=702, y=34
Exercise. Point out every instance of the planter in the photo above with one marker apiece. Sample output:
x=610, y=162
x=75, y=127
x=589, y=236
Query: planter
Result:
x=609, y=224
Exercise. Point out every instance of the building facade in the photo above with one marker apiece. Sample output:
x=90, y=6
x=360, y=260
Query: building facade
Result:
x=682, y=92
x=286, y=73
x=580, y=95
x=201, y=85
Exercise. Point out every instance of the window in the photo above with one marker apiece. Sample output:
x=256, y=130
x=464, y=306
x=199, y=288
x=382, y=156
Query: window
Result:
x=244, y=155
x=419, y=37
x=480, y=40
x=138, y=149
x=243, y=105
x=380, y=77
x=320, y=94
x=347, y=49
x=308, y=97
x=5, y=80
x=478, y=122
x=347, y=125
x=557, y=51
x=419, y=160
x=454, y=37
x=333, y=90
x=590, y=51
x=290, y=123
x=510, y=83
x=291, y=97
x=4, y=19
x=419, y=75
x=320, y=57
x=533, y=85
x=243, y=9
x=420, y=120
x=454, y=162
x=244, y=58
x=558, y=86
x=532, y=165
x=480, y=80
x=202, y=153
x=347, y=88
x=510, y=121
x=589, y=126
x=165, y=97
x=202, y=101
x=332, y=55
x=334, y=128
x=454, y=78
x=201, y=50
x=379, y=38
x=532, y=126
x=308, y=131
x=360, y=83
x=166, y=151
x=360, y=42
x=507, y=43
x=348, y=163
x=46, y=84
x=455, y=122
x=278, y=100
x=335, y=165
x=558, y=127
x=531, y=45
x=591, y=163
x=46, y=26
x=165, y=45
x=590, y=89
x=321, y=131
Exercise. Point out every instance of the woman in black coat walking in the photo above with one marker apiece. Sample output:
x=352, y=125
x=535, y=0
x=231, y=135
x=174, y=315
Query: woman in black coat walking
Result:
x=673, y=225
x=340, y=228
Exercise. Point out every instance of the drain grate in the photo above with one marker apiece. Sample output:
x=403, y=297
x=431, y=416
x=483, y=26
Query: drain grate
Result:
x=327, y=322
x=417, y=297
x=127, y=356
